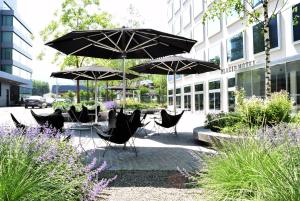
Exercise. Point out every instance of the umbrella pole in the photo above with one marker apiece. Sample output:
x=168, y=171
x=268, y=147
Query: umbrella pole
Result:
x=96, y=95
x=124, y=79
x=174, y=92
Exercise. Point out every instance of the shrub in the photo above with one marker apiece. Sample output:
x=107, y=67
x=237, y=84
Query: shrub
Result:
x=263, y=168
x=38, y=166
x=278, y=108
x=218, y=121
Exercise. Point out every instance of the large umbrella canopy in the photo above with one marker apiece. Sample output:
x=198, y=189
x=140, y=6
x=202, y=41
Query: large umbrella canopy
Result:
x=93, y=72
x=122, y=43
x=175, y=65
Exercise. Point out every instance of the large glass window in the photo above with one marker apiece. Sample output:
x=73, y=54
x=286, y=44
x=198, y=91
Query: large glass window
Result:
x=214, y=54
x=214, y=101
x=296, y=22
x=187, y=97
x=6, y=68
x=232, y=18
x=198, y=7
x=252, y=81
x=6, y=53
x=231, y=82
x=7, y=20
x=256, y=2
x=14, y=70
x=258, y=35
x=213, y=27
x=21, y=43
x=235, y=47
x=214, y=85
x=278, y=78
x=178, y=101
x=7, y=37
x=231, y=101
x=199, y=104
x=21, y=28
x=170, y=100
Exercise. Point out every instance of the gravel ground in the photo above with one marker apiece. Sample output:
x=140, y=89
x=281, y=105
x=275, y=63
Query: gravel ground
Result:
x=149, y=186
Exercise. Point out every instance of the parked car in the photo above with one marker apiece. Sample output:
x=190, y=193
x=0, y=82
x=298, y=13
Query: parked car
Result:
x=35, y=101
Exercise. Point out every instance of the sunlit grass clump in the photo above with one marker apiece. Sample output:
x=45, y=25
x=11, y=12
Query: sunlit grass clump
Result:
x=37, y=165
x=265, y=167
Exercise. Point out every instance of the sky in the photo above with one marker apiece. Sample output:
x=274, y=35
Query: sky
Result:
x=38, y=13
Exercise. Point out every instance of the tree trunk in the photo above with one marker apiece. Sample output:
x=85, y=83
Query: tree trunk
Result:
x=267, y=50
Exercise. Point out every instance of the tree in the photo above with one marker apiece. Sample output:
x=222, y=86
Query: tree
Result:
x=75, y=15
x=251, y=13
x=39, y=87
x=160, y=85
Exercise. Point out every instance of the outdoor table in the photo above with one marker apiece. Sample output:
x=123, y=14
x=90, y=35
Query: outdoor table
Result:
x=82, y=128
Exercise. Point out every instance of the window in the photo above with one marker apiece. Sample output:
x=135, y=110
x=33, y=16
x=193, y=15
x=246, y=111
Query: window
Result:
x=186, y=17
x=231, y=101
x=235, y=47
x=198, y=7
x=170, y=92
x=231, y=97
x=178, y=98
x=214, y=101
x=198, y=87
x=214, y=85
x=199, y=104
x=7, y=37
x=7, y=20
x=170, y=100
x=296, y=22
x=178, y=91
x=187, y=89
x=6, y=68
x=6, y=53
x=5, y=6
x=253, y=82
x=213, y=27
x=278, y=78
x=214, y=95
x=198, y=33
x=214, y=54
x=231, y=82
x=258, y=36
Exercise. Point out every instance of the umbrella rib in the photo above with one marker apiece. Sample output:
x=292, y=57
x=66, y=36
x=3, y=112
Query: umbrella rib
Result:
x=141, y=44
x=165, y=44
x=120, y=37
x=144, y=50
x=101, y=45
x=129, y=41
x=116, y=46
x=81, y=74
x=78, y=50
x=172, y=70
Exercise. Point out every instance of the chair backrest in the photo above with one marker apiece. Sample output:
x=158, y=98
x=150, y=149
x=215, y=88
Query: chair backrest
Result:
x=84, y=115
x=17, y=123
x=54, y=120
x=112, y=118
x=168, y=120
x=122, y=132
x=73, y=114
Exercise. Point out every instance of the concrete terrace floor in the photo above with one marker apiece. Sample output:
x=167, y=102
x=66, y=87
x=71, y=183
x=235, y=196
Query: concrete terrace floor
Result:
x=162, y=151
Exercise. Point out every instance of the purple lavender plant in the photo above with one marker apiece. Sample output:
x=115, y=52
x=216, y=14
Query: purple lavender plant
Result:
x=110, y=105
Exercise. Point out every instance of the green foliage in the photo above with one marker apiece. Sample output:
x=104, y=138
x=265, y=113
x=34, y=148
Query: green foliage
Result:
x=65, y=106
x=132, y=104
x=218, y=121
x=278, y=108
x=256, y=112
x=39, y=87
x=255, y=169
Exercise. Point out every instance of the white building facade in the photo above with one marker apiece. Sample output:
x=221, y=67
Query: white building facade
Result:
x=239, y=49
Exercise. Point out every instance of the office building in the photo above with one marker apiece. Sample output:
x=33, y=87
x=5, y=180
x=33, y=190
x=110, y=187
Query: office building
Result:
x=239, y=50
x=16, y=46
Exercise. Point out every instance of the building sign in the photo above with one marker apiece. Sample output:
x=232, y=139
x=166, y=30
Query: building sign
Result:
x=236, y=67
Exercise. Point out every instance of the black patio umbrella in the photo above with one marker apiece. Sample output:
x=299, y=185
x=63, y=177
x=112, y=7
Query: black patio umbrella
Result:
x=93, y=72
x=172, y=65
x=122, y=43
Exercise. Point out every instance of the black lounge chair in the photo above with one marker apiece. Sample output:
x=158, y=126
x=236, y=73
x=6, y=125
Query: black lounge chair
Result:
x=54, y=120
x=17, y=123
x=124, y=130
x=81, y=117
x=169, y=121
